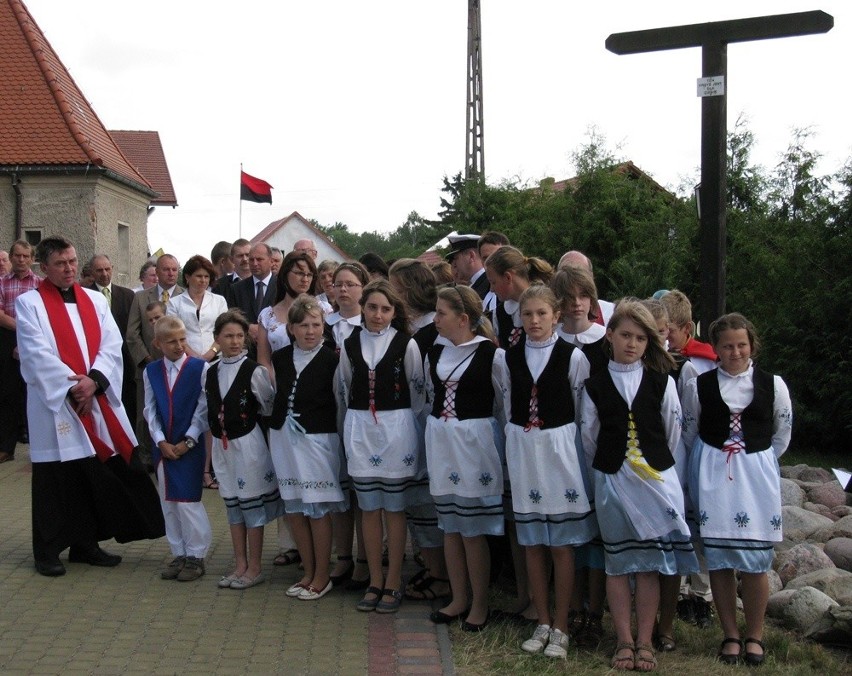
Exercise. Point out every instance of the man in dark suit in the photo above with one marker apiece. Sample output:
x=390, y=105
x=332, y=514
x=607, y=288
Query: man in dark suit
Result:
x=239, y=269
x=256, y=292
x=467, y=265
x=119, y=299
x=140, y=336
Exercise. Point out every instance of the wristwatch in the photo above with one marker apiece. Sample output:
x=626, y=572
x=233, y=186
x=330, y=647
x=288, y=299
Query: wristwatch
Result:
x=190, y=442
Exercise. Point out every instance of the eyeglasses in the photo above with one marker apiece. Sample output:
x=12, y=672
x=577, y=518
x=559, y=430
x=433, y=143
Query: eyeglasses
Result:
x=346, y=285
x=303, y=275
x=313, y=252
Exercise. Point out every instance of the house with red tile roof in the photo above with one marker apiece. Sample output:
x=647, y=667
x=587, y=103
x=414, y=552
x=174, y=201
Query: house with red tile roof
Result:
x=61, y=171
x=284, y=233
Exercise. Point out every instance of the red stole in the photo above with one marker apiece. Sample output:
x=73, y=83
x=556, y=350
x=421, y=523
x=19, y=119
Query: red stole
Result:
x=695, y=348
x=72, y=356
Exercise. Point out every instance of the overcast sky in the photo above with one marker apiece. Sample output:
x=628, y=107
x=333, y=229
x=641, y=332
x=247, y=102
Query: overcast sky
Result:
x=354, y=111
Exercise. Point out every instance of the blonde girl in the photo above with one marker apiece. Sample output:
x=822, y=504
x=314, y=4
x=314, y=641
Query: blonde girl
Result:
x=631, y=421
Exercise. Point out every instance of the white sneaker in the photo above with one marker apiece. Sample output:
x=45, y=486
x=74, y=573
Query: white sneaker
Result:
x=539, y=639
x=557, y=646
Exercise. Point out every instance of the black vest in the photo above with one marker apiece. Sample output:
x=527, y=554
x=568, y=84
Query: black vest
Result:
x=241, y=406
x=680, y=360
x=391, y=388
x=555, y=397
x=505, y=325
x=613, y=415
x=425, y=338
x=596, y=354
x=714, y=428
x=314, y=399
x=475, y=392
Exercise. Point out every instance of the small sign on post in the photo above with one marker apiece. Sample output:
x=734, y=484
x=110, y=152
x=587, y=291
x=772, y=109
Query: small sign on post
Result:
x=711, y=86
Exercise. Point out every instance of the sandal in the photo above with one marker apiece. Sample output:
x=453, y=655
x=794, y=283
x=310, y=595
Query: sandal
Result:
x=624, y=663
x=287, y=558
x=419, y=587
x=664, y=643
x=640, y=655
x=729, y=658
x=754, y=659
x=389, y=606
x=212, y=483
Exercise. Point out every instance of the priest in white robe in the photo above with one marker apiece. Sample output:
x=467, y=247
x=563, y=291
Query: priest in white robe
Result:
x=87, y=482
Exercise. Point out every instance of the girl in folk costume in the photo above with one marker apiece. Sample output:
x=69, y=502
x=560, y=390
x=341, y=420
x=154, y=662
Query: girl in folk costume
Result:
x=510, y=273
x=415, y=283
x=578, y=297
x=380, y=388
x=738, y=423
x=296, y=275
x=550, y=491
x=348, y=280
x=577, y=294
x=464, y=447
x=238, y=393
x=630, y=421
x=305, y=444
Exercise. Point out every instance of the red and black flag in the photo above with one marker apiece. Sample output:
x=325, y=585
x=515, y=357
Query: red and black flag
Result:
x=254, y=189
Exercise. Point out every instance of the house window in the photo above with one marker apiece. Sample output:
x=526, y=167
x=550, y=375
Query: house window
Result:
x=33, y=235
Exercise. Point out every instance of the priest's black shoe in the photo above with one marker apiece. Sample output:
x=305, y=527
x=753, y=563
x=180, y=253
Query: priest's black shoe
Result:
x=94, y=557
x=50, y=567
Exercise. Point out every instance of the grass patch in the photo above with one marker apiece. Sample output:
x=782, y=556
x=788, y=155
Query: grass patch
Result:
x=812, y=458
x=497, y=650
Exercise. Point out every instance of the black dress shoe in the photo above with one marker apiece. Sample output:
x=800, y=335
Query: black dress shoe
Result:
x=94, y=557
x=442, y=618
x=474, y=628
x=50, y=567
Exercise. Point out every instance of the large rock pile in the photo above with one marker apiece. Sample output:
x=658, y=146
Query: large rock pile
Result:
x=811, y=585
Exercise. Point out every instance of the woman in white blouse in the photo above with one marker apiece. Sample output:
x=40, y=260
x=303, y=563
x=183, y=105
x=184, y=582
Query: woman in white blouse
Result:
x=198, y=309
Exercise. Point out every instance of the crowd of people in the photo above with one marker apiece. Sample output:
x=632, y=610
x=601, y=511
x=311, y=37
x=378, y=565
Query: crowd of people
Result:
x=358, y=404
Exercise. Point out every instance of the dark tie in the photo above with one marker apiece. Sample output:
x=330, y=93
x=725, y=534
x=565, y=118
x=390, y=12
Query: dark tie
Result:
x=258, y=298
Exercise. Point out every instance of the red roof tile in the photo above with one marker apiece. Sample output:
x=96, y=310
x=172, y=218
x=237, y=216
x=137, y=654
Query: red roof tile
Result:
x=44, y=116
x=145, y=152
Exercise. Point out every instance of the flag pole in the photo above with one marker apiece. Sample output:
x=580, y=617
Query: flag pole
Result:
x=239, y=197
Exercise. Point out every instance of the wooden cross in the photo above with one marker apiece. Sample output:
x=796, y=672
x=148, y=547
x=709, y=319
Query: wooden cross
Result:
x=713, y=38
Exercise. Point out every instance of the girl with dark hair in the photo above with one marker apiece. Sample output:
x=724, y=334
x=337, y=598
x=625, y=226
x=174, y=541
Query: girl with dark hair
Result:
x=738, y=423
x=239, y=392
x=380, y=389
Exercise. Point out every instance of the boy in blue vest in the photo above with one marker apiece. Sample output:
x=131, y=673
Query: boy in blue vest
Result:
x=176, y=413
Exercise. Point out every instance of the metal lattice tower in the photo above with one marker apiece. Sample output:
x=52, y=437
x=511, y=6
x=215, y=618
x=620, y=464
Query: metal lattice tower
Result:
x=475, y=142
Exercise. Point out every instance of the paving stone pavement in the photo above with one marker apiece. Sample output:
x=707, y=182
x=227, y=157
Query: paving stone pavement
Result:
x=126, y=620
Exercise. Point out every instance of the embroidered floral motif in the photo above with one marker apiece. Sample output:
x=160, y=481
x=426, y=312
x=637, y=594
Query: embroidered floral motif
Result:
x=293, y=481
x=485, y=478
x=702, y=517
x=269, y=477
x=786, y=416
x=571, y=495
x=63, y=428
x=672, y=512
x=535, y=496
x=408, y=460
x=455, y=478
x=742, y=519
x=419, y=384
x=776, y=522
x=375, y=460
x=688, y=420
x=397, y=373
x=241, y=483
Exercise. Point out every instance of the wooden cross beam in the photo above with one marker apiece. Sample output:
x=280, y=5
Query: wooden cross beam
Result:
x=713, y=38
